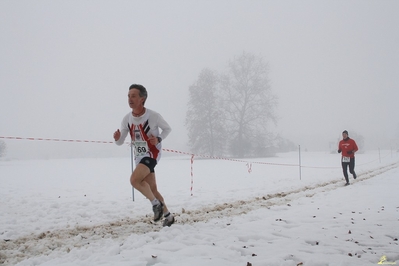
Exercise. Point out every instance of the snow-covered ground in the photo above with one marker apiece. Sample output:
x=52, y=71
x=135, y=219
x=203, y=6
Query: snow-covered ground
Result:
x=80, y=212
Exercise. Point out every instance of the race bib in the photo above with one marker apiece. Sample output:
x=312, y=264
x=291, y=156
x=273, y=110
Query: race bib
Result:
x=346, y=159
x=140, y=148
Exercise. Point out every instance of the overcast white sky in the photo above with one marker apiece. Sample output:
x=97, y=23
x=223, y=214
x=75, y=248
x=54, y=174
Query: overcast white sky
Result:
x=65, y=66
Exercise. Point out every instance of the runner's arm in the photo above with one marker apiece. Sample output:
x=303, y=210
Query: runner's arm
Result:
x=124, y=131
x=166, y=129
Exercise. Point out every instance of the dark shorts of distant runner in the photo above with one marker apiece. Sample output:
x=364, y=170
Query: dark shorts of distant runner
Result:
x=150, y=163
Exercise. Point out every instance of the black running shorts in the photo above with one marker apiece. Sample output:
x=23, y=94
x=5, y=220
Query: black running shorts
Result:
x=150, y=163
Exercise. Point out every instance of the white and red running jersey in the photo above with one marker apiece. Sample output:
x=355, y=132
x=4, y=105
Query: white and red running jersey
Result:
x=141, y=129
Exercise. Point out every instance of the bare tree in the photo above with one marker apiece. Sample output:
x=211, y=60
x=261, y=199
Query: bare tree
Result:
x=249, y=104
x=205, y=118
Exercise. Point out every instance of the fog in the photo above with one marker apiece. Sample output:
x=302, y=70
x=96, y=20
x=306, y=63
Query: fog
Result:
x=66, y=66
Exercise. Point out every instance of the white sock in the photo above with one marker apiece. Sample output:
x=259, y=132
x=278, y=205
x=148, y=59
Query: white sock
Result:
x=168, y=216
x=155, y=202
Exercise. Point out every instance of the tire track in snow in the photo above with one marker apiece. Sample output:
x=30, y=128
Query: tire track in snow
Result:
x=64, y=240
x=244, y=206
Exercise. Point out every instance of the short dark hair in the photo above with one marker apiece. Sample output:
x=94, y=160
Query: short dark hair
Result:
x=141, y=88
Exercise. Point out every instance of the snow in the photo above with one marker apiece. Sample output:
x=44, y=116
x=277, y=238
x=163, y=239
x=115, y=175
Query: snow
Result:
x=81, y=212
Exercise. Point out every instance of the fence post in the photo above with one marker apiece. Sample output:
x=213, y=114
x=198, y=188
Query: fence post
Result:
x=300, y=170
x=131, y=160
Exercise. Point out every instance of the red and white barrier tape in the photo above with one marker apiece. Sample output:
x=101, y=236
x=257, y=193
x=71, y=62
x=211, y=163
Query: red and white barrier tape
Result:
x=248, y=164
x=60, y=140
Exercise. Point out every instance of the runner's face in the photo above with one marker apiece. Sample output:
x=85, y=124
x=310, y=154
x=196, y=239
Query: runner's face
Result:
x=134, y=99
x=344, y=135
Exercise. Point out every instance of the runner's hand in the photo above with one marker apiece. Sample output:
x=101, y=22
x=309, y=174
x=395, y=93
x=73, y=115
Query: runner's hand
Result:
x=117, y=135
x=153, y=140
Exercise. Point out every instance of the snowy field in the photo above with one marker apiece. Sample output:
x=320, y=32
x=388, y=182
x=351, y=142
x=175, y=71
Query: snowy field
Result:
x=80, y=212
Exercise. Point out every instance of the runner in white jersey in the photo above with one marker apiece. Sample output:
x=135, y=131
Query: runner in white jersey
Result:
x=144, y=126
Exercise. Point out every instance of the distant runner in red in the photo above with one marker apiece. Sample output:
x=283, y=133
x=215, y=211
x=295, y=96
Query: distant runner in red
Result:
x=348, y=148
x=144, y=127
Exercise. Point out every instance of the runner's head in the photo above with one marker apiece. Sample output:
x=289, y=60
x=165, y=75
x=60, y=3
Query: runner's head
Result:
x=345, y=134
x=142, y=89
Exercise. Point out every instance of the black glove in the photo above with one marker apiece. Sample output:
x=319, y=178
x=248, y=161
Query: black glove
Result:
x=349, y=152
x=339, y=151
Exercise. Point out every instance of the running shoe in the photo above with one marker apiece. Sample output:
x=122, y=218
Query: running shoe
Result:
x=168, y=223
x=158, y=211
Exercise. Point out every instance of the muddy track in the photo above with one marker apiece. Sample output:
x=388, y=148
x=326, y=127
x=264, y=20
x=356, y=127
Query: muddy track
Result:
x=62, y=241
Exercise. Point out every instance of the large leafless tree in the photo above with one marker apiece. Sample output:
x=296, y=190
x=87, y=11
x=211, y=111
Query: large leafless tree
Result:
x=205, y=118
x=249, y=105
